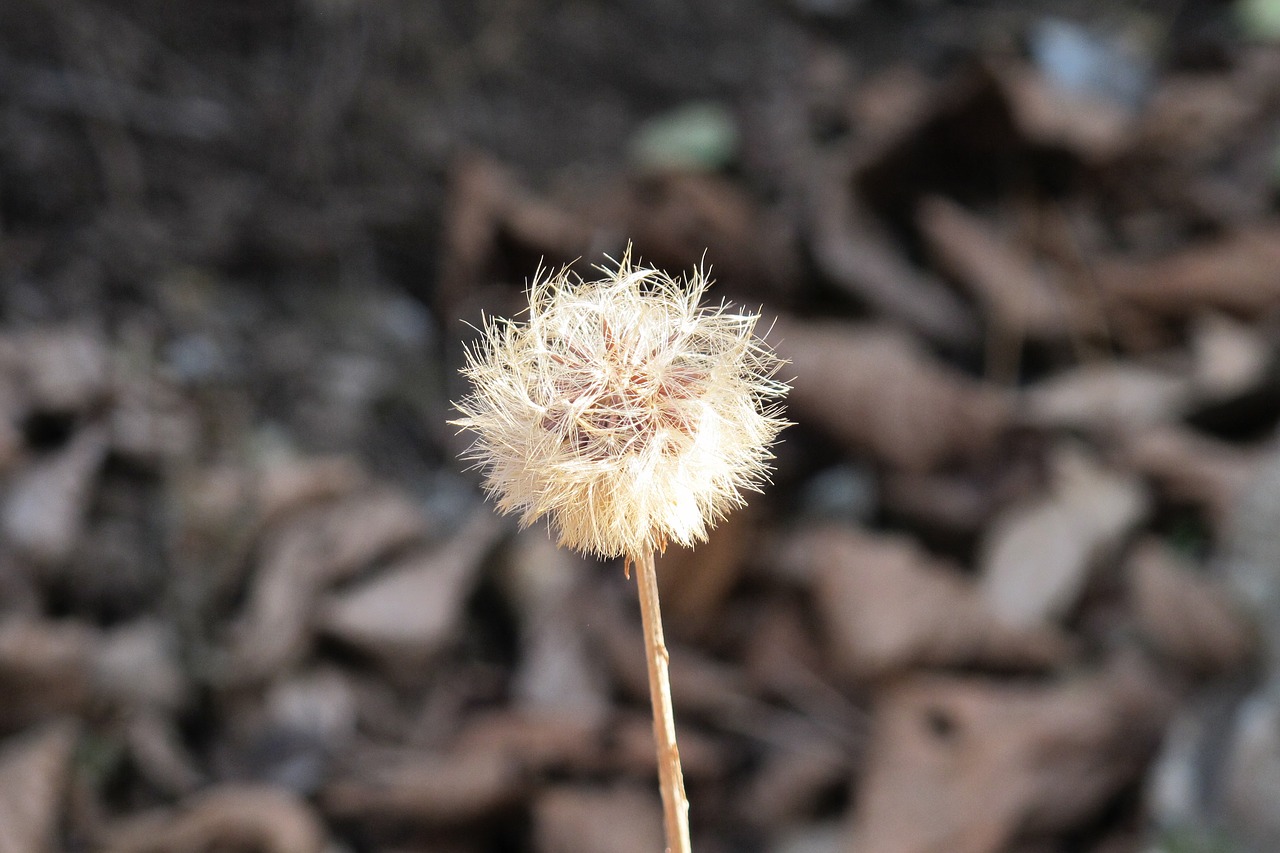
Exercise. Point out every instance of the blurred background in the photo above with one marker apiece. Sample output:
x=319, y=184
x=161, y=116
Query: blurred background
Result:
x=1016, y=584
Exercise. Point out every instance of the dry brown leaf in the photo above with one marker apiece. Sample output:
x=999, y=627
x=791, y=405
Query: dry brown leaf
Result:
x=591, y=820
x=1106, y=396
x=459, y=787
x=1193, y=468
x=1186, y=616
x=537, y=740
x=234, y=816
x=33, y=776
x=487, y=208
x=968, y=766
x=404, y=614
x=45, y=508
x=44, y=669
x=886, y=607
x=857, y=257
x=1016, y=296
x=303, y=557
x=879, y=393
x=1037, y=556
x=1235, y=274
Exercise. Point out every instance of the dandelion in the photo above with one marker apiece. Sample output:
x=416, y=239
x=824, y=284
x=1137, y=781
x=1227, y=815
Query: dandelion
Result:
x=631, y=416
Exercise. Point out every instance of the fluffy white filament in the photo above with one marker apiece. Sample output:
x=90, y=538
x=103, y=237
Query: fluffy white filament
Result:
x=622, y=409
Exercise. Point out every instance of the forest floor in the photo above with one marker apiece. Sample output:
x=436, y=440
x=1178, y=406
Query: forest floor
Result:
x=1014, y=585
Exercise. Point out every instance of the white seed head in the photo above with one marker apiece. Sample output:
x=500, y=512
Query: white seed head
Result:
x=622, y=409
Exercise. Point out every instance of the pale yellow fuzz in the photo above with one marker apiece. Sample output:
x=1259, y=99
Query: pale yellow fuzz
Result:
x=622, y=409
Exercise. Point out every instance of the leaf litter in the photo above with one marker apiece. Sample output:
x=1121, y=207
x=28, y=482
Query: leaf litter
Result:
x=249, y=599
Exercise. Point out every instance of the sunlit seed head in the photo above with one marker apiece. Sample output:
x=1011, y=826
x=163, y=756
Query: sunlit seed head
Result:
x=622, y=409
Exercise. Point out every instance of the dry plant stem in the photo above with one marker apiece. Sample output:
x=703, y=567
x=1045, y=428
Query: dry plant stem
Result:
x=675, y=806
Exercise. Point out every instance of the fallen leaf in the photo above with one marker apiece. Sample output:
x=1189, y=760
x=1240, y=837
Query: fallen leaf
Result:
x=33, y=777
x=860, y=259
x=590, y=820
x=1186, y=616
x=1037, y=556
x=1105, y=396
x=879, y=393
x=1193, y=468
x=233, y=816
x=301, y=559
x=404, y=614
x=968, y=766
x=1235, y=274
x=1017, y=296
x=445, y=789
x=887, y=607
x=44, y=669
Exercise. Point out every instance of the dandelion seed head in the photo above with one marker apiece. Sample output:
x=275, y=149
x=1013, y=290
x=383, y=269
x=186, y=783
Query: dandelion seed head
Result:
x=622, y=409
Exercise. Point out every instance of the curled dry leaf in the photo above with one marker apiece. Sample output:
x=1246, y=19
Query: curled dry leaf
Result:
x=968, y=766
x=886, y=607
x=404, y=614
x=1016, y=296
x=33, y=777
x=1235, y=274
x=44, y=511
x=303, y=557
x=234, y=816
x=1186, y=616
x=1037, y=556
x=879, y=393
x=589, y=820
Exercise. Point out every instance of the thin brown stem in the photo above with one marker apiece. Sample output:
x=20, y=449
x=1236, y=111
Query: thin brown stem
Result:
x=675, y=807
